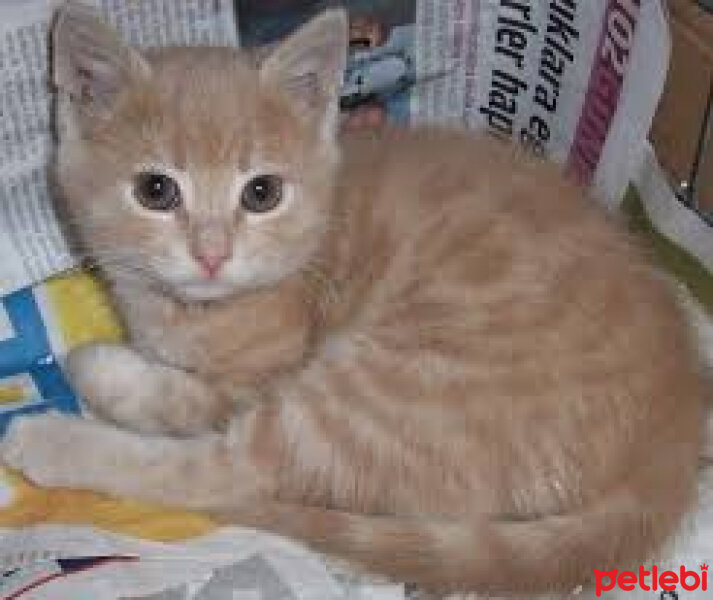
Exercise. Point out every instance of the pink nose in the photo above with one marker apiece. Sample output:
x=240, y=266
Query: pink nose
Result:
x=211, y=263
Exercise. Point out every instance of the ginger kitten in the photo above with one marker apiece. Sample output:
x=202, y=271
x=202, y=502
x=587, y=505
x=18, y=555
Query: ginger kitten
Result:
x=418, y=350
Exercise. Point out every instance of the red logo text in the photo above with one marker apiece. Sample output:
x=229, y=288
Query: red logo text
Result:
x=651, y=580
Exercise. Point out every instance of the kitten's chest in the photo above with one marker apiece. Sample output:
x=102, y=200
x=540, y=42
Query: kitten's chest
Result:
x=159, y=331
x=234, y=344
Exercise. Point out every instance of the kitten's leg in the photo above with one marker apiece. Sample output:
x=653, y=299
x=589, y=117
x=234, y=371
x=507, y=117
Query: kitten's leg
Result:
x=205, y=472
x=120, y=385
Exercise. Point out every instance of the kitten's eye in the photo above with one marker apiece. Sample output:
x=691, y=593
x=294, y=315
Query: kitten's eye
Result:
x=157, y=191
x=262, y=193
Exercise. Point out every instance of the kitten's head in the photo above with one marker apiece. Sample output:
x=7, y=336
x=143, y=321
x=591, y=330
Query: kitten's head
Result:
x=198, y=168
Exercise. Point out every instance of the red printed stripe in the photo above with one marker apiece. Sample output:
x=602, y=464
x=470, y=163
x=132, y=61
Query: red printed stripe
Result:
x=602, y=98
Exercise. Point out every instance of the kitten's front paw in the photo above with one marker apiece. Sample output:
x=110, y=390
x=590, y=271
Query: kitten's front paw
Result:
x=119, y=385
x=102, y=373
x=40, y=447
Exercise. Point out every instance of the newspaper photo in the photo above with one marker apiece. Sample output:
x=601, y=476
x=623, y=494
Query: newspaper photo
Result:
x=381, y=67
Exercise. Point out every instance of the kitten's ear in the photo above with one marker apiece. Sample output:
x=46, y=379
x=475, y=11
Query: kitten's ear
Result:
x=309, y=65
x=91, y=63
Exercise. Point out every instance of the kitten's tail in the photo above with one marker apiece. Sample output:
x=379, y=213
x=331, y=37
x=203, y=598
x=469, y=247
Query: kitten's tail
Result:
x=557, y=552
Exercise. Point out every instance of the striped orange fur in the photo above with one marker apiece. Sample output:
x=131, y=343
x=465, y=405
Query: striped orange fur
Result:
x=464, y=374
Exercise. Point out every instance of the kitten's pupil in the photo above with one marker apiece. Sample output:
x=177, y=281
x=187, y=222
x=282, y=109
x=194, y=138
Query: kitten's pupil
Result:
x=262, y=193
x=157, y=191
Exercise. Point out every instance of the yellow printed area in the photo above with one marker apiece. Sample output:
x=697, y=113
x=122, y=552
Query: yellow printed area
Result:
x=10, y=394
x=33, y=505
x=83, y=311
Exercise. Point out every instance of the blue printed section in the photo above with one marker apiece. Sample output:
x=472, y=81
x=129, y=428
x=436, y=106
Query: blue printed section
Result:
x=29, y=353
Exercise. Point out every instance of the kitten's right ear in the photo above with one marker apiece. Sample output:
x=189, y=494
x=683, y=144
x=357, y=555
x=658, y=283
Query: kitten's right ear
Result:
x=91, y=63
x=309, y=65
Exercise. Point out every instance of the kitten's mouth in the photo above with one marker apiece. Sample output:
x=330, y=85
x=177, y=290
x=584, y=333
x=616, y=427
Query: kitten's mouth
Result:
x=203, y=290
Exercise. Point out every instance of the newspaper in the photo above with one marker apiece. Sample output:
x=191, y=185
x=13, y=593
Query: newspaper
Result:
x=575, y=80
x=39, y=326
x=72, y=563
x=32, y=246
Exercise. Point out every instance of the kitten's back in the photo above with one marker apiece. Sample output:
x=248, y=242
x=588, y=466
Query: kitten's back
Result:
x=508, y=334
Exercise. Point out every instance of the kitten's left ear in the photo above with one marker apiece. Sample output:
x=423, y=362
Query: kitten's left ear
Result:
x=91, y=63
x=309, y=66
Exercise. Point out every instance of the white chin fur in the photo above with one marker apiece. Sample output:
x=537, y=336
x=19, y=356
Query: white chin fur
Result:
x=205, y=290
